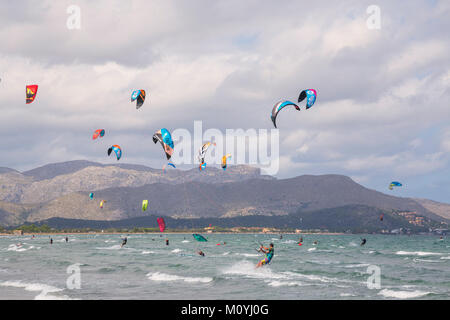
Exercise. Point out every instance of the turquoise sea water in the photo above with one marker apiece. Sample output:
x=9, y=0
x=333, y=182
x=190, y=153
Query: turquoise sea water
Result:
x=411, y=267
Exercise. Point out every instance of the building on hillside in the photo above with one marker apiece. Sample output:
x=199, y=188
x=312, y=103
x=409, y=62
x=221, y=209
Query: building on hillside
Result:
x=18, y=232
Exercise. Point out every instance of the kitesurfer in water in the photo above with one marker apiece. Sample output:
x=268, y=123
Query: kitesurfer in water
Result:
x=124, y=242
x=67, y=239
x=269, y=255
x=200, y=252
x=51, y=241
x=167, y=242
x=363, y=241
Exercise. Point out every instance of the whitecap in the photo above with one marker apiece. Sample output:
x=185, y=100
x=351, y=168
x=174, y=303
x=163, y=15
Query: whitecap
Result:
x=418, y=253
x=43, y=289
x=403, y=294
x=159, y=276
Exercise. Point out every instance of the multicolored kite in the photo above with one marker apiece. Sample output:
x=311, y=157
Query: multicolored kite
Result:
x=310, y=95
x=117, y=150
x=138, y=95
x=98, y=133
x=164, y=137
x=31, y=92
x=278, y=107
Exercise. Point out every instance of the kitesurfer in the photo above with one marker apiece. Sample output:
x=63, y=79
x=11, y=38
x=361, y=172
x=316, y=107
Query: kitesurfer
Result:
x=124, y=242
x=51, y=241
x=363, y=241
x=67, y=239
x=167, y=242
x=200, y=252
x=269, y=255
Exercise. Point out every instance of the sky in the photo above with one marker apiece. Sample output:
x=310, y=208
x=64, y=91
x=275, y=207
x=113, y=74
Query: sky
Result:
x=382, y=112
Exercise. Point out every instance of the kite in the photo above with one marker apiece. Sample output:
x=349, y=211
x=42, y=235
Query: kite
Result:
x=162, y=224
x=199, y=237
x=202, y=154
x=168, y=164
x=117, y=150
x=91, y=195
x=138, y=95
x=310, y=95
x=224, y=160
x=102, y=203
x=164, y=137
x=98, y=133
x=394, y=184
x=278, y=107
x=144, y=205
x=31, y=92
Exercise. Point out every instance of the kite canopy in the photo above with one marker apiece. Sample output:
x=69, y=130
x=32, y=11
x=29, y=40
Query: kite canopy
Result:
x=278, y=107
x=102, y=203
x=161, y=224
x=224, y=160
x=394, y=184
x=91, y=195
x=168, y=164
x=164, y=137
x=310, y=95
x=117, y=150
x=202, y=154
x=31, y=92
x=138, y=95
x=144, y=205
x=199, y=237
x=98, y=133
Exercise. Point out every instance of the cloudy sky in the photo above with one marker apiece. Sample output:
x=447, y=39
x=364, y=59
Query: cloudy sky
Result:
x=383, y=107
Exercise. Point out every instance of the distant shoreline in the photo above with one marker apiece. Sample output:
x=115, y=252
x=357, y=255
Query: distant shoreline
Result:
x=156, y=233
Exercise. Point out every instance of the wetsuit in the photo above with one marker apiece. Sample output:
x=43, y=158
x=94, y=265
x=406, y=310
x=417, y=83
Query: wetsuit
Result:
x=124, y=242
x=363, y=242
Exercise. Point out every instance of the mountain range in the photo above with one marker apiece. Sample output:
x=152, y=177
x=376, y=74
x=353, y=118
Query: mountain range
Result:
x=61, y=190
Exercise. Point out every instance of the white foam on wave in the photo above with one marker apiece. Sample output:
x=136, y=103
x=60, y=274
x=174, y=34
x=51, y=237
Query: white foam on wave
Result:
x=418, y=253
x=43, y=289
x=176, y=250
x=445, y=258
x=159, y=276
x=402, y=294
x=185, y=241
x=274, y=279
x=425, y=260
x=347, y=295
x=247, y=269
x=147, y=252
x=226, y=253
x=360, y=265
x=115, y=247
x=13, y=247
x=277, y=283
x=312, y=249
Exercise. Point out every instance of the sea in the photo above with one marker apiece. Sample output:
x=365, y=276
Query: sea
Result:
x=332, y=267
